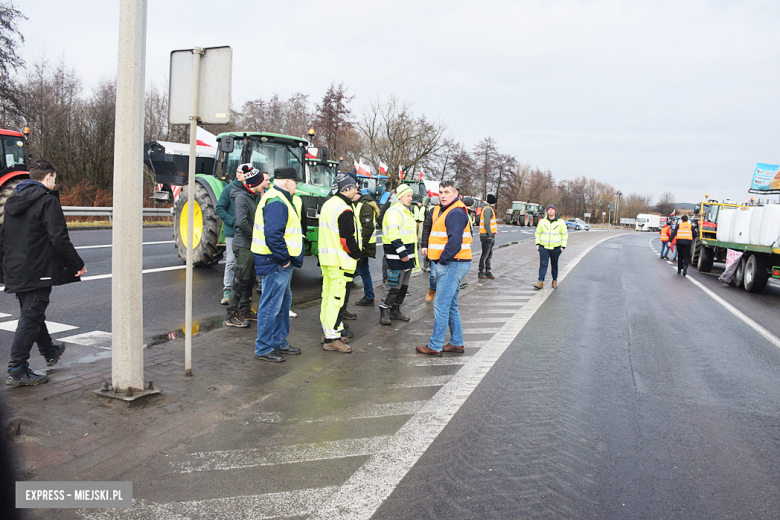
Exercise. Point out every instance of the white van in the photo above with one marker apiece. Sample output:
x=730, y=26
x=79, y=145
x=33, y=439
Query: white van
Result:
x=647, y=222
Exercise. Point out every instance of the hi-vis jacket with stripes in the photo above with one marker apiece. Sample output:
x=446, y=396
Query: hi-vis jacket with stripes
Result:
x=552, y=233
x=399, y=237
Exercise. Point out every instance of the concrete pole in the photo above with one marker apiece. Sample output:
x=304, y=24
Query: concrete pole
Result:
x=127, y=363
x=196, y=52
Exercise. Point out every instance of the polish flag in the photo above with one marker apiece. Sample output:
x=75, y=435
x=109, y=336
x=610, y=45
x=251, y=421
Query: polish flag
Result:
x=311, y=152
x=400, y=172
x=205, y=138
x=673, y=212
x=382, y=167
x=362, y=169
x=421, y=174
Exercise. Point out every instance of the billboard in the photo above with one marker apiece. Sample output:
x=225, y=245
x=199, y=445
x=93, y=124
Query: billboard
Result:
x=766, y=179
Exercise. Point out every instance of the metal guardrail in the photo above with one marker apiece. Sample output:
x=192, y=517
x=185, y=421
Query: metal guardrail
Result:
x=89, y=211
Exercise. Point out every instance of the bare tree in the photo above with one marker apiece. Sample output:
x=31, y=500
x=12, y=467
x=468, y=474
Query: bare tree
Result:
x=665, y=204
x=10, y=61
x=333, y=119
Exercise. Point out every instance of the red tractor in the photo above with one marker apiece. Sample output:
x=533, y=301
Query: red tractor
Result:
x=13, y=164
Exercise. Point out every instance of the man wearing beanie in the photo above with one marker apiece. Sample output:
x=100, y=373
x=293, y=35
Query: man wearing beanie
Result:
x=228, y=216
x=338, y=252
x=551, y=238
x=245, y=198
x=399, y=240
x=488, y=227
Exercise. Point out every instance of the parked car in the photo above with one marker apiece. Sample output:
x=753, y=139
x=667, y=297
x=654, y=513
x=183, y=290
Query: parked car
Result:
x=577, y=224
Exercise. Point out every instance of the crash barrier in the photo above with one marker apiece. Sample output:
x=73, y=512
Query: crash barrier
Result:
x=89, y=211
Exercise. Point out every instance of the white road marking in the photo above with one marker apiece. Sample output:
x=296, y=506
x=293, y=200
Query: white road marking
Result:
x=381, y=410
x=422, y=382
x=145, y=271
x=52, y=326
x=438, y=361
x=480, y=330
x=96, y=338
x=369, y=486
x=111, y=245
x=4, y=315
x=273, y=455
x=270, y=505
x=483, y=320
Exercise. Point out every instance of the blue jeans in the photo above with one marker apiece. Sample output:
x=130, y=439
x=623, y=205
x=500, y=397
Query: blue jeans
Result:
x=432, y=278
x=445, y=304
x=273, y=311
x=548, y=256
x=365, y=275
x=665, y=248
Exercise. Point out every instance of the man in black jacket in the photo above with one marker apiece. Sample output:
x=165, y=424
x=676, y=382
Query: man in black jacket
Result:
x=35, y=254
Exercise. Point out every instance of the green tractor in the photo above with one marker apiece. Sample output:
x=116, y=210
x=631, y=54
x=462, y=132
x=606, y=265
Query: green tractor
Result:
x=420, y=192
x=266, y=152
x=319, y=178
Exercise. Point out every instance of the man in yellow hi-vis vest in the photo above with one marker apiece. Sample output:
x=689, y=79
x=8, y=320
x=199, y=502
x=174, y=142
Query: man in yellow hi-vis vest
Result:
x=338, y=255
x=551, y=238
x=488, y=227
x=399, y=240
x=277, y=245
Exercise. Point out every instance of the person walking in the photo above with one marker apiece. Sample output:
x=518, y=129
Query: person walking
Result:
x=399, y=240
x=426, y=233
x=277, y=247
x=666, y=234
x=338, y=255
x=35, y=254
x=367, y=211
x=245, y=198
x=683, y=236
x=226, y=213
x=551, y=238
x=449, y=248
x=487, y=236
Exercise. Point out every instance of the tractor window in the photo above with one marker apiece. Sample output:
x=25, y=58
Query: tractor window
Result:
x=267, y=157
x=13, y=151
x=228, y=163
x=320, y=174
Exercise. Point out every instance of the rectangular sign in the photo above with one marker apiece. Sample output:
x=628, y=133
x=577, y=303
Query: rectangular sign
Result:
x=586, y=215
x=70, y=495
x=214, y=86
x=766, y=179
x=630, y=221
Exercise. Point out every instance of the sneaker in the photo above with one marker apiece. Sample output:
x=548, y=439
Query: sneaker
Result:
x=430, y=296
x=235, y=321
x=349, y=315
x=364, y=302
x=339, y=345
x=23, y=376
x=247, y=315
x=555, y=284
x=481, y=275
x=293, y=314
x=225, y=298
x=490, y=275
x=59, y=349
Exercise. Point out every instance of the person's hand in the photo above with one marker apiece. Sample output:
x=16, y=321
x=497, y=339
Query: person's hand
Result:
x=285, y=265
x=537, y=247
x=424, y=251
x=404, y=258
x=82, y=272
x=563, y=249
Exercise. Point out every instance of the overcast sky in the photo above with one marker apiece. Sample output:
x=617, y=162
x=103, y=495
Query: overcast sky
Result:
x=646, y=96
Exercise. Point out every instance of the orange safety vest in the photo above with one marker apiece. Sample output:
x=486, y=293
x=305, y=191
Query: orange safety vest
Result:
x=438, y=237
x=665, y=233
x=493, y=223
x=684, y=231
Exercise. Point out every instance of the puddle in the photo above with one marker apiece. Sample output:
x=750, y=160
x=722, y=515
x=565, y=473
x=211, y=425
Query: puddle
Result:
x=198, y=326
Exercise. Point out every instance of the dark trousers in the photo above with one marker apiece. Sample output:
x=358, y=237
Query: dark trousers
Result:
x=244, y=279
x=683, y=255
x=31, y=327
x=487, y=253
x=548, y=256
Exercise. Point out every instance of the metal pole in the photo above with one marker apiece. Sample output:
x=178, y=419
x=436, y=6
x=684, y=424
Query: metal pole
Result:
x=196, y=52
x=127, y=357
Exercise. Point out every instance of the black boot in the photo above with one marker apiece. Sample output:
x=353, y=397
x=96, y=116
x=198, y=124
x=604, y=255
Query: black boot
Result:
x=384, y=316
x=364, y=302
x=396, y=314
x=23, y=376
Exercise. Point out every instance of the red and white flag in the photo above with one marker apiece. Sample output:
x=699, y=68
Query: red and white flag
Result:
x=311, y=152
x=421, y=174
x=362, y=169
x=382, y=167
x=673, y=212
x=401, y=172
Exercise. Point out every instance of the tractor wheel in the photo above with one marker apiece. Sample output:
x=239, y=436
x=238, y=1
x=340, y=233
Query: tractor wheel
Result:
x=706, y=257
x=6, y=191
x=206, y=227
x=756, y=275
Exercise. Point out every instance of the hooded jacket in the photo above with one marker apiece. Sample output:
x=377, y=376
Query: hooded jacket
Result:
x=244, y=207
x=369, y=213
x=35, y=249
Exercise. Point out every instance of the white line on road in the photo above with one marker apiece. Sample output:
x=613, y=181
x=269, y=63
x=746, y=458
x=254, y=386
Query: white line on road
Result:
x=111, y=245
x=369, y=486
x=145, y=271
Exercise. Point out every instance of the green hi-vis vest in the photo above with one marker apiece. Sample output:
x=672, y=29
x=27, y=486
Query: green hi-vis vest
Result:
x=358, y=209
x=399, y=224
x=550, y=235
x=329, y=241
x=293, y=234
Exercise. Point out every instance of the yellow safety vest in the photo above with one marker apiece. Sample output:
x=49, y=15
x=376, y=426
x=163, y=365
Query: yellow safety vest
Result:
x=399, y=224
x=438, y=237
x=551, y=234
x=493, y=223
x=684, y=231
x=419, y=213
x=331, y=252
x=358, y=209
x=293, y=234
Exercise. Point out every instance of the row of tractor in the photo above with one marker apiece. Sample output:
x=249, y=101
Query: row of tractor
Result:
x=523, y=214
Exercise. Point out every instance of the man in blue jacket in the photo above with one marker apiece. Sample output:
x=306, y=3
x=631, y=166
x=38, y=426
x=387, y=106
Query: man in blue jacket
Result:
x=35, y=254
x=226, y=213
x=277, y=245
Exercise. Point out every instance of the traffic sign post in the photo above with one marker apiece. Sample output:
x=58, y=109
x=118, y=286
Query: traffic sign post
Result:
x=200, y=85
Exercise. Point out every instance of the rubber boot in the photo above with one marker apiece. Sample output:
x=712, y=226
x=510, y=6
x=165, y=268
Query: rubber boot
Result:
x=384, y=316
x=396, y=314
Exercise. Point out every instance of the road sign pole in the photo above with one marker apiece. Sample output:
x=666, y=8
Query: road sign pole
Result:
x=196, y=52
x=127, y=357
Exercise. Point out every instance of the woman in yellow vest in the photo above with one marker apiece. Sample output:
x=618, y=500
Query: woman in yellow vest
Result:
x=449, y=248
x=551, y=238
x=684, y=236
x=277, y=245
x=399, y=240
x=338, y=255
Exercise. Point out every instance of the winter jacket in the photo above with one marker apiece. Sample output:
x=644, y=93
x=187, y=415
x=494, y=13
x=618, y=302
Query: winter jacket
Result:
x=275, y=219
x=225, y=209
x=369, y=213
x=552, y=233
x=244, y=207
x=427, y=225
x=35, y=249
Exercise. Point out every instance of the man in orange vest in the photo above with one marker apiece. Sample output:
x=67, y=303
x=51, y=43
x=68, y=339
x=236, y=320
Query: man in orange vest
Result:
x=488, y=227
x=684, y=236
x=666, y=234
x=449, y=248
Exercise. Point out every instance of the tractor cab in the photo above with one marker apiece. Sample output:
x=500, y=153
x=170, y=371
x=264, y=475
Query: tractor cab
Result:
x=419, y=191
x=375, y=185
x=13, y=157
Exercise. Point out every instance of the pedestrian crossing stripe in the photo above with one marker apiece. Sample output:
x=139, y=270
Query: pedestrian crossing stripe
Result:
x=4, y=315
x=52, y=326
x=96, y=338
